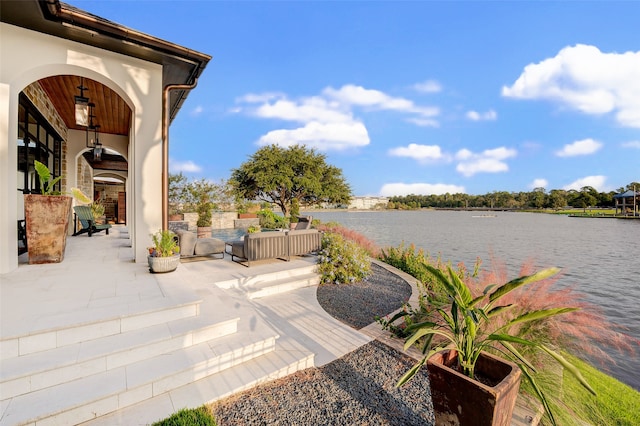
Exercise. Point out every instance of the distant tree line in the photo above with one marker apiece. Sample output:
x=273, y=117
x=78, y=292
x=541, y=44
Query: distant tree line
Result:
x=539, y=198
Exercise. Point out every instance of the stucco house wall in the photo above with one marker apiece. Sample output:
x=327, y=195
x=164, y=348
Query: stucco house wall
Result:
x=27, y=56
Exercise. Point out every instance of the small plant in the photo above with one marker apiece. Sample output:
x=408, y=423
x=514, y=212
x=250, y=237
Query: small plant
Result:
x=97, y=209
x=189, y=417
x=468, y=328
x=47, y=184
x=165, y=244
x=253, y=229
x=341, y=261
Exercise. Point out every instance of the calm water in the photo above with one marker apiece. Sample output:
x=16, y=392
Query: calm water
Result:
x=600, y=257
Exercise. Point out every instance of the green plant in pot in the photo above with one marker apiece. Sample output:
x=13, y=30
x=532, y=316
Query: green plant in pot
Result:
x=97, y=209
x=47, y=218
x=164, y=255
x=455, y=341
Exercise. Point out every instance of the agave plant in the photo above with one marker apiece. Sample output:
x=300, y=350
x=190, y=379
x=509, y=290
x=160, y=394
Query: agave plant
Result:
x=468, y=328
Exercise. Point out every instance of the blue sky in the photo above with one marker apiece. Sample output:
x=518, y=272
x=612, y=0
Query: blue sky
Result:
x=410, y=97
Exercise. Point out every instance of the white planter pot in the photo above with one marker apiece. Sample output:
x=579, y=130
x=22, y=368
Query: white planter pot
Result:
x=163, y=264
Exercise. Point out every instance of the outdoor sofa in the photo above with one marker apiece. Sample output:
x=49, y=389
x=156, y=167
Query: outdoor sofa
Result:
x=275, y=245
x=191, y=246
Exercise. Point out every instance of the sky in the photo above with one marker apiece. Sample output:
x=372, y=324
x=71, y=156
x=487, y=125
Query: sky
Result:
x=409, y=97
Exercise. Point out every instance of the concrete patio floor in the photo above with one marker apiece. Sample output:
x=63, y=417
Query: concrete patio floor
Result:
x=98, y=281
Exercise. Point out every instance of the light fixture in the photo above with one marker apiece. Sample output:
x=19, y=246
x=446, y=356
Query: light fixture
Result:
x=97, y=149
x=93, y=142
x=82, y=106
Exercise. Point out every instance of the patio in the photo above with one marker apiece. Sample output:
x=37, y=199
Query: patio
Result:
x=99, y=339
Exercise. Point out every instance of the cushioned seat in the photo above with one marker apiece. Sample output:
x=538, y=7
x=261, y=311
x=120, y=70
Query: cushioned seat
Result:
x=259, y=246
x=192, y=246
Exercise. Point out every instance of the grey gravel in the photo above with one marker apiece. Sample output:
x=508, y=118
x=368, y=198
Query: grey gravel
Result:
x=357, y=304
x=357, y=389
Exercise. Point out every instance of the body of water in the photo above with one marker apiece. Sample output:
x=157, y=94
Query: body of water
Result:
x=599, y=257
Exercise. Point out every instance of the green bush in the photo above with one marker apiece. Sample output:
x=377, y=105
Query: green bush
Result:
x=341, y=261
x=189, y=417
x=271, y=220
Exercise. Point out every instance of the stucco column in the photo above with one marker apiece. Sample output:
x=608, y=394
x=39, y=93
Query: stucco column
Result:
x=8, y=192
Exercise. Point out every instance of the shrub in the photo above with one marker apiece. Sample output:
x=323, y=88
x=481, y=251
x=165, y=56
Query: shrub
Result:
x=342, y=261
x=189, y=417
x=271, y=220
x=366, y=244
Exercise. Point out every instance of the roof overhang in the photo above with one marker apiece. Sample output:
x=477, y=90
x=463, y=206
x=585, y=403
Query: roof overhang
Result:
x=180, y=65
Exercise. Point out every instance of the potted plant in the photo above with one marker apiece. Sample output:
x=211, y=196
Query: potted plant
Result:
x=164, y=256
x=253, y=229
x=459, y=358
x=204, y=218
x=47, y=218
x=97, y=209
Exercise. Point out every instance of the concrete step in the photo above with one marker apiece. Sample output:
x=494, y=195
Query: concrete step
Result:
x=95, y=395
x=271, y=366
x=76, y=327
x=270, y=288
x=260, y=279
x=29, y=373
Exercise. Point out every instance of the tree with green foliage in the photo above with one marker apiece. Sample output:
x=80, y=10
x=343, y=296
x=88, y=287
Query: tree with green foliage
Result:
x=178, y=193
x=278, y=175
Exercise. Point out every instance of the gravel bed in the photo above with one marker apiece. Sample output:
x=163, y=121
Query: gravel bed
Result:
x=357, y=304
x=357, y=389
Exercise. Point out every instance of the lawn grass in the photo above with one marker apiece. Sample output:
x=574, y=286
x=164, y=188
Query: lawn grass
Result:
x=615, y=404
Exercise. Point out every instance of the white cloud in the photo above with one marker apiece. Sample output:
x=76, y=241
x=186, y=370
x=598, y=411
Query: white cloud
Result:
x=183, y=166
x=584, y=78
x=631, y=144
x=328, y=121
x=400, y=189
x=539, y=183
x=581, y=147
x=597, y=182
x=321, y=136
x=421, y=153
x=488, y=161
x=490, y=115
x=309, y=109
x=424, y=122
x=429, y=86
x=197, y=110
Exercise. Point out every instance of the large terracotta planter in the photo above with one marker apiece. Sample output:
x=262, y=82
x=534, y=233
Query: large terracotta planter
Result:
x=204, y=232
x=458, y=400
x=47, y=222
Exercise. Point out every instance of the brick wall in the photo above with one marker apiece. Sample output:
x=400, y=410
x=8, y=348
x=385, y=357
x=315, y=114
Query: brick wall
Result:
x=109, y=197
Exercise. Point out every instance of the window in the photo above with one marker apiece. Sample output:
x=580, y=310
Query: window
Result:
x=37, y=140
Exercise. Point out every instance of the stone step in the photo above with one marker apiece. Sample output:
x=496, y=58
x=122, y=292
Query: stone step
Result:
x=99, y=394
x=271, y=366
x=243, y=281
x=29, y=373
x=77, y=327
x=270, y=288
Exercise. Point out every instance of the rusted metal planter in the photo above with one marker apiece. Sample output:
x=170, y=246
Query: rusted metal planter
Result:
x=47, y=222
x=458, y=400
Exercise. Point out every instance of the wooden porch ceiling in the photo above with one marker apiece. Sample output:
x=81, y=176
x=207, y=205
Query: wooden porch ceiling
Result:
x=111, y=112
